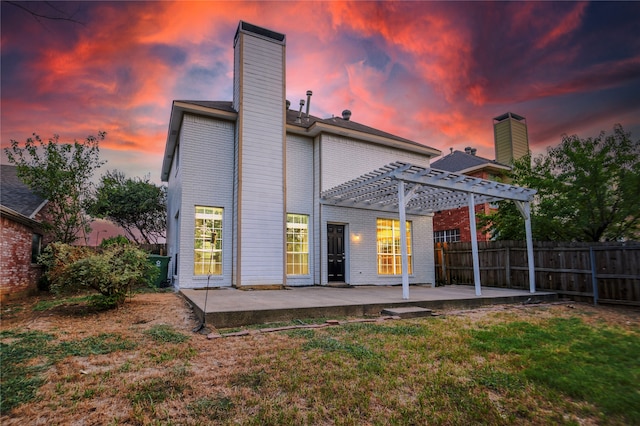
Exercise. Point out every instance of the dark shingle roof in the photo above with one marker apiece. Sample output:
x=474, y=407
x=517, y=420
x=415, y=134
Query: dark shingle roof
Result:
x=15, y=195
x=459, y=160
x=307, y=122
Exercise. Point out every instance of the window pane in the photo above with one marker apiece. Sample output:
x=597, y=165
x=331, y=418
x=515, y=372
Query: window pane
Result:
x=389, y=247
x=447, y=236
x=297, y=244
x=36, y=247
x=207, y=256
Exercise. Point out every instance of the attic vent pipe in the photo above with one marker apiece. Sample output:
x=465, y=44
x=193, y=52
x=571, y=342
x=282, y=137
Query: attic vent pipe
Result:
x=467, y=150
x=299, y=119
x=346, y=115
x=473, y=151
x=309, y=93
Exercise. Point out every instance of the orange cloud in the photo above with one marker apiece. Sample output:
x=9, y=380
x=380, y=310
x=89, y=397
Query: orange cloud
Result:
x=433, y=72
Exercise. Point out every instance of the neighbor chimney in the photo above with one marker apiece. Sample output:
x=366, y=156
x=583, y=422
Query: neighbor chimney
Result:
x=346, y=115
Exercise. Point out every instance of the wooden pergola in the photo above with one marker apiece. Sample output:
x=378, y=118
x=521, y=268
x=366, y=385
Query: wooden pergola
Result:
x=407, y=188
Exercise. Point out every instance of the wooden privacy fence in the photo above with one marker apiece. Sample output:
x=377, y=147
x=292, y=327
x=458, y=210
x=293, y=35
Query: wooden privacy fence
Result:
x=602, y=272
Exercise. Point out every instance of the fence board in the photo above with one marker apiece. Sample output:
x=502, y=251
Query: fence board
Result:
x=564, y=268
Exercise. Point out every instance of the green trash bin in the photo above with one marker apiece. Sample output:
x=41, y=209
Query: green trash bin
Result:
x=162, y=263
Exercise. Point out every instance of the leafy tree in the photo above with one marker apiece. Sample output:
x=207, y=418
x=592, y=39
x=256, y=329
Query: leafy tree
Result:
x=60, y=173
x=137, y=205
x=588, y=190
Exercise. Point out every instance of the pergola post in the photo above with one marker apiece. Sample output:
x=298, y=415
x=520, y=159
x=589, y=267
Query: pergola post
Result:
x=403, y=240
x=474, y=244
x=525, y=211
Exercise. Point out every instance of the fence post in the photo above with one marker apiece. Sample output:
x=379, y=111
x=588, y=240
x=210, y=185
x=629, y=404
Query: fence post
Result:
x=507, y=266
x=594, y=278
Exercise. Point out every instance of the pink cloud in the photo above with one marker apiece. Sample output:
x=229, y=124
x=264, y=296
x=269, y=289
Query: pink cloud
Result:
x=562, y=24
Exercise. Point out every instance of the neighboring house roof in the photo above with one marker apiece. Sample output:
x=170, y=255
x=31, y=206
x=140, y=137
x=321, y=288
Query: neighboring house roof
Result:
x=16, y=195
x=463, y=163
x=305, y=125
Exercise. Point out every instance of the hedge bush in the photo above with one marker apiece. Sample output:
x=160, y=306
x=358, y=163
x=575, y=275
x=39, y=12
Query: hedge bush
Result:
x=112, y=271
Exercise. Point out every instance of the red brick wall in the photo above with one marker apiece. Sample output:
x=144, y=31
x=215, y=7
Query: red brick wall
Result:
x=18, y=277
x=459, y=219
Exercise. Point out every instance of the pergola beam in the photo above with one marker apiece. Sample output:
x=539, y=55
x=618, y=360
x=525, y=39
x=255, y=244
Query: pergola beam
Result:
x=447, y=180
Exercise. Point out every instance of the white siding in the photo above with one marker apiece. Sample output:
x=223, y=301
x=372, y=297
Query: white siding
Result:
x=300, y=183
x=261, y=175
x=207, y=180
x=361, y=256
x=345, y=159
x=174, y=200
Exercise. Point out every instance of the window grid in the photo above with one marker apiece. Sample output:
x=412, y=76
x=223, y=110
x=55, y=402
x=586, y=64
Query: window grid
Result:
x=447, y=236
x=297, y=244
x=389, y=247
x=207, y=256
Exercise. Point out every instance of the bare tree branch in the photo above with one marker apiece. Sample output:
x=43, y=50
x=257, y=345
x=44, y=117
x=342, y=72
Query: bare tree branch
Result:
x=59, y=15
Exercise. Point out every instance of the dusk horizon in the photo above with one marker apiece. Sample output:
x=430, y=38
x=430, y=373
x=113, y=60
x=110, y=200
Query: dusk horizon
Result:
x=433, y=72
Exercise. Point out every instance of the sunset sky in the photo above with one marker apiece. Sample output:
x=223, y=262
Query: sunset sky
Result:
x=433, y=72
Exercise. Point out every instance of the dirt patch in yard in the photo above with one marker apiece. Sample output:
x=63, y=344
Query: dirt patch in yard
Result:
x=142, y=363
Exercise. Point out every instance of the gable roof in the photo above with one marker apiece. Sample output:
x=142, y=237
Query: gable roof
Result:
x=462, y=162
x=16, y=195
x=305, y=125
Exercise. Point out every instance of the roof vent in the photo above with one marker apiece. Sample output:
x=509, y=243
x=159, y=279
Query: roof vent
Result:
x=299, y=119
x=346, y=115
x=309, y=93
x=473, y=151
x=288, y=104
x=467, y=150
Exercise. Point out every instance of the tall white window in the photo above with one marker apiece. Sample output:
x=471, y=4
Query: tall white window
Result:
x=389, y=250
x=207, y=244
x=297, y=244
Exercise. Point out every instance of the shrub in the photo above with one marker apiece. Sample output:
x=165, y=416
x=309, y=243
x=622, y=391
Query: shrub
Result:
x=113, y=272
x=118, y=239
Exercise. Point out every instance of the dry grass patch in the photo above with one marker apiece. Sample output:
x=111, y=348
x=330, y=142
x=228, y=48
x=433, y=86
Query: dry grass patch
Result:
x=141, y=364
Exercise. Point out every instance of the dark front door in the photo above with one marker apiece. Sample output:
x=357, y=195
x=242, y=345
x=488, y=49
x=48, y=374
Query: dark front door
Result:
x=335, y=252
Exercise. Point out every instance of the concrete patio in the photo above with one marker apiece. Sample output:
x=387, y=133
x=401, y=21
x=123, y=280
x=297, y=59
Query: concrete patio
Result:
x=231, y=307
